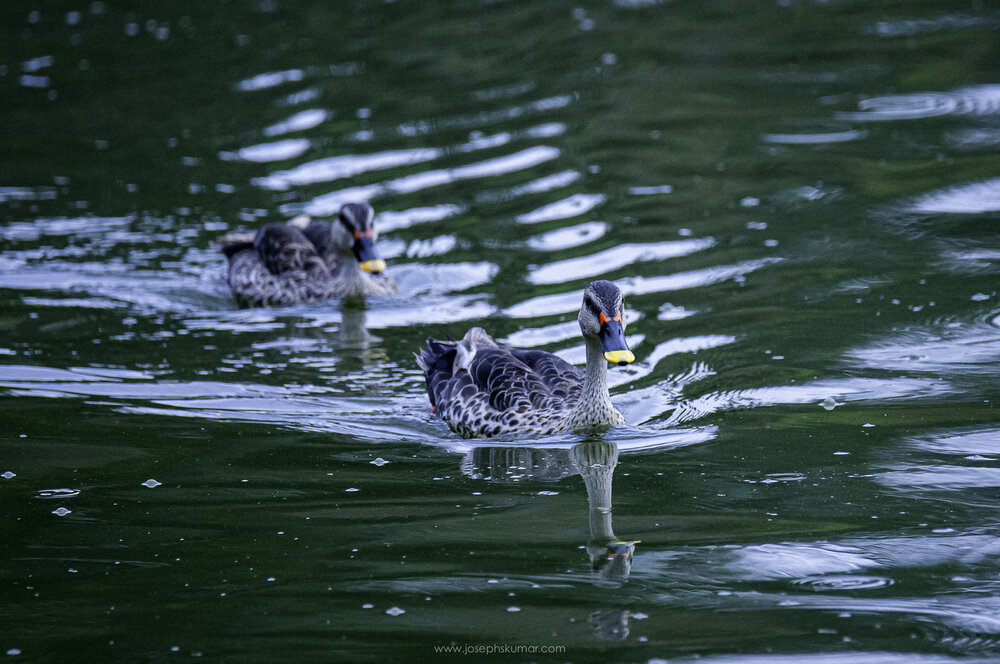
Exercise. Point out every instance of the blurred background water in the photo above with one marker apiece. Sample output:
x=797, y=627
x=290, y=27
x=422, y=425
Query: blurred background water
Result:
x=799, y=198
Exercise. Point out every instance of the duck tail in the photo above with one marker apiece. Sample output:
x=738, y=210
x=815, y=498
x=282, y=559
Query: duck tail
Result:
x=435, y=361
x=234, y=242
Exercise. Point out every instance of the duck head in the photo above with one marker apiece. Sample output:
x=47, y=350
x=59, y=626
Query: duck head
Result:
x=355, y=230
x=602, y=316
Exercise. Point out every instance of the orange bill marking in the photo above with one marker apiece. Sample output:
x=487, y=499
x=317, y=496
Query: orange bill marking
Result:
x=360, y=234
x=603, y=317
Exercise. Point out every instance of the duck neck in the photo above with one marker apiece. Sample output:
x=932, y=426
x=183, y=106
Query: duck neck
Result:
x=594, y=406
x=349, y=270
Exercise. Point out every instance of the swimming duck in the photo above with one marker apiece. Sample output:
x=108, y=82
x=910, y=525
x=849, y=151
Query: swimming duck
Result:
x=307, y=260
x=483, y=389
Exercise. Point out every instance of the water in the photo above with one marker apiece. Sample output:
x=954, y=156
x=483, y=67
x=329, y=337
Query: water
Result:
x=799, y=199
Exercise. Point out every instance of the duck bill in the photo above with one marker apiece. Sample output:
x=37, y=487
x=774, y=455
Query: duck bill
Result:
x=368, y=260
x=613, y=344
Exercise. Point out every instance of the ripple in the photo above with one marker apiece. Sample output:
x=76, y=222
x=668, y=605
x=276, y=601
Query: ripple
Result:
x=950, y=349
x=941, y=477
x=574, y=206
x=449, y=310
x=26, y=194
x=971, y=139
x=540, y=185
x=652, y=190
x=569, y=237
x=328, y=204
x=961, y=442
x=950, y=21
x=270, y=79
x=300, y=121
x=974, y=198
x=815, y=139
x=978, y=100
x=276, y=151
x=395, y=220
x=439, y=278
x=559, y=303
x=613, y=259
x=344, y=166
x=846, y=390
x=797, y=560
x=58, y=493
x=422, y=127
x=82, y=227
x=839, y=582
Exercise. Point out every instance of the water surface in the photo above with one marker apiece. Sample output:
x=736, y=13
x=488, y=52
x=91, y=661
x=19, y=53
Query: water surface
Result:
x=799, y=199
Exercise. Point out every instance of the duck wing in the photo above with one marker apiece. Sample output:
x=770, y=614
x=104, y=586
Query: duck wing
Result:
x=500, y=391
x=283, y=248
x=280, y=267
x=562, y=378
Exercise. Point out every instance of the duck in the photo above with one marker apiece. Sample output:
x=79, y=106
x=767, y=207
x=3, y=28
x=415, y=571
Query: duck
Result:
x=483, y=389
x=307, y=260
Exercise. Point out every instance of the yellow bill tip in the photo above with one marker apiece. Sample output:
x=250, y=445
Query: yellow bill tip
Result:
x=621, y=357
x=374, y=266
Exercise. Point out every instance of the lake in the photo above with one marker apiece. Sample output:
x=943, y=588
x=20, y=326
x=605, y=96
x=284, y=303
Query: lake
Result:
x=800, y=200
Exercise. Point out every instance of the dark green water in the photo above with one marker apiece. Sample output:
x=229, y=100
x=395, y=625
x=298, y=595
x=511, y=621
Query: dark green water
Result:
x=800, y=200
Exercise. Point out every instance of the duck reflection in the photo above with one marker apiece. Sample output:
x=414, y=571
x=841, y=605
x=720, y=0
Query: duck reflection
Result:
x=610, y=556
x=595, y=462
x=353, y=333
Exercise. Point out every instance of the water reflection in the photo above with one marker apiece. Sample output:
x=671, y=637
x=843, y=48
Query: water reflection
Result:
x=595, y=462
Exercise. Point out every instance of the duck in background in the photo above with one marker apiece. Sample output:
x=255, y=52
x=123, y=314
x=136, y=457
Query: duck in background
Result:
x=483, y=389
x=307, y=260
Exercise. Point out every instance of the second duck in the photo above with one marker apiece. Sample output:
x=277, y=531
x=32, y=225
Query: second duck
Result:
x=307, y=260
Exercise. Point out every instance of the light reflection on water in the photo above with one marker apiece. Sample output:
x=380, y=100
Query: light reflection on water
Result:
x=811, y=444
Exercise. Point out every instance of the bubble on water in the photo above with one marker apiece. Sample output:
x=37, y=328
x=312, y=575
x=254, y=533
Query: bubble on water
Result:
x=367, y=605
x=548, y=493
x=513, y=609
x=829, y=403
x=14, y=651
x=980, y=297
x=867, y=425
x=352, y=489
x=151, y=483
x=749, y=201
x=844, y=582
x=379, y=461
x=8, y=475
x=395, y=611
x=61, y=511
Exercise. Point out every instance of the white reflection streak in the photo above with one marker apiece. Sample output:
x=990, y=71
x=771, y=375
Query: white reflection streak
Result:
x=569, y=237
x=299, y=122
x=974, y=198
x=978, y=99
x=560, y=303
x=614, y=259
x=270, y=79
x=573, y=206
x=344, y=166
x=276, y=151
x=525, y=159
x=815, y=139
